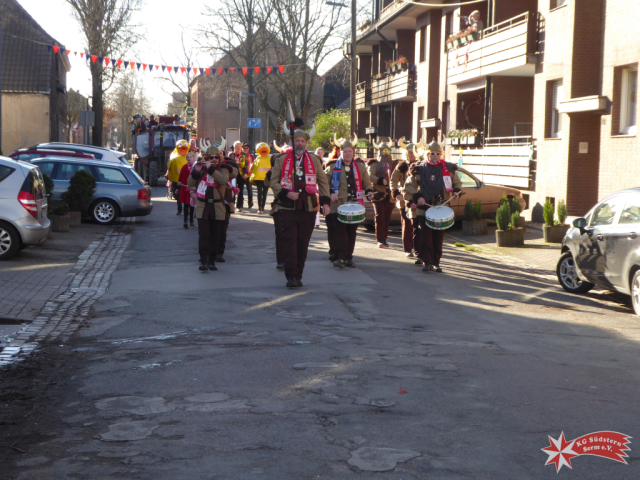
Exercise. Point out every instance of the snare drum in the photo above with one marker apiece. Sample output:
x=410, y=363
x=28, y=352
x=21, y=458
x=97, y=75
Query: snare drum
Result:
x=351, y=213
x=439, y=218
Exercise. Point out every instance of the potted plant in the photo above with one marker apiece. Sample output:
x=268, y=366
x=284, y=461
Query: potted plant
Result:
x=472, y=136
x=553, y=231
x=473, y=224
x=509, y=233
x=48, y=188
x=59, y=216
x=82, y=187
x=514, y=206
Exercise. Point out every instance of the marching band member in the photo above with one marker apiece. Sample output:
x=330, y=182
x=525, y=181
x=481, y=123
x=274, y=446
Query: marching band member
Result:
x=380, y=172
x=348, y=179
x=431, y=184
x=297, y=176
x=277, y=222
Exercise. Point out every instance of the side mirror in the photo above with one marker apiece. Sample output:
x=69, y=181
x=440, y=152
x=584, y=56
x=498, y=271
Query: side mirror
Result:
x=581, y=224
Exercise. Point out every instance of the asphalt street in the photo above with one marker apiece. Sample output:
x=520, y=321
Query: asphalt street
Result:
x=378, y=372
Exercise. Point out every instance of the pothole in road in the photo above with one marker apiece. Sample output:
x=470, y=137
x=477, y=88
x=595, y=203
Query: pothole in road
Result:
x=128, y=431
x=370, y=459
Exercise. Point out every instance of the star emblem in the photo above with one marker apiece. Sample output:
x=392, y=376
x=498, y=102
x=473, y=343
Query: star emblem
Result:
x=560, y=452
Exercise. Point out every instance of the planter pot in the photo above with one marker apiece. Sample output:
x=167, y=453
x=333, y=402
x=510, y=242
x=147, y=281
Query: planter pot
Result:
x=448, y=140
x=60, y=223
x=457, y=42
x=473, y=140
x=474, y=227
x=510, y=238
x=75, y=218
x=554, y=233
x=455, y=141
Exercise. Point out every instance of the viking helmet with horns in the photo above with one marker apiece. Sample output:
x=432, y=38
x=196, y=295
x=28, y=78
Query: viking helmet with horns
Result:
x=342, y=143
x=299, y=133
x=207, y=148
x=434, y=146
x=384, y=148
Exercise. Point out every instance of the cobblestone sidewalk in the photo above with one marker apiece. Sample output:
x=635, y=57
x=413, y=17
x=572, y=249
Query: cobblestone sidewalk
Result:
x=62, y=313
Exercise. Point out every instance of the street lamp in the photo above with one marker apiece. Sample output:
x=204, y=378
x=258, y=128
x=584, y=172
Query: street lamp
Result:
x=352, y=99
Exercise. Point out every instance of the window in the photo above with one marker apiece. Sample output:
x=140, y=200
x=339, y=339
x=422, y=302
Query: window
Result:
x=68, y=170
x=111, y=175
x=631, y=212
x=46, y=168
x=5, y=172
x=467, y=181
x=27, y=157
x=448, y=29
x=423, y=44
x=557, y=3
x=605, y=213
x=628, y=101
x=556, y=119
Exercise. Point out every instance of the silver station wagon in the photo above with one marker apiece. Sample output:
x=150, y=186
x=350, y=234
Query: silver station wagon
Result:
x=120, y=192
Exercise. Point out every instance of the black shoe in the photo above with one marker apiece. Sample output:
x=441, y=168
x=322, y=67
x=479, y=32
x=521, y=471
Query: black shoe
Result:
x=204, y=259
x=179, y=213
x=185, y=226
x=426, y=268
x=292, y=283
x=220, y=259
x=332, y=257
x=299, y=282
x=386, y=245
x=280, y=266
x=349, y=264
x=339, y=263
x=191, y=224
x=250, y=204
x=436, y=268
x=212, y=266
x=418, y=262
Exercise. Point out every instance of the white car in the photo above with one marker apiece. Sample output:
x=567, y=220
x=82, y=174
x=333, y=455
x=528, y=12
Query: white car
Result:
x=99, y=153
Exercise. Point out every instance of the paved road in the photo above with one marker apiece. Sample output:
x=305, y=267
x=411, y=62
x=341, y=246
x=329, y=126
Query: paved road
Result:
x=371, y=373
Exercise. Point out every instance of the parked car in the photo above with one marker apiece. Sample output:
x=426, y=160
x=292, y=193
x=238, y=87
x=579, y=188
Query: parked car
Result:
x=28, y=154
x=473, y=189
x=119, y=189
x=603, y=248
x=23, y=207
x=100, y=153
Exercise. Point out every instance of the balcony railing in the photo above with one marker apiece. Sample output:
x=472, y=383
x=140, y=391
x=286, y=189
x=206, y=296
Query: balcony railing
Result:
x=363, y=96
x=504, y=48
x=396, y=87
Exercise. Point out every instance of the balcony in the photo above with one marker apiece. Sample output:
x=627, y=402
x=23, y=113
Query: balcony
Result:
x=396, y=87
x=504, y=49
x=363, y=96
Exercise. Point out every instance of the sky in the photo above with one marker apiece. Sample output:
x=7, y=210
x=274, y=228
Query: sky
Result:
x=160, y=22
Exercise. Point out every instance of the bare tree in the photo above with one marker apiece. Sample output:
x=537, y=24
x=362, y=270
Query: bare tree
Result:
x=181, y=81
x=107, y=27
x=127, y=99
x=75, y=104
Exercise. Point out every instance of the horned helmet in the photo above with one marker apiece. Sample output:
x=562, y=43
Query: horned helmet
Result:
x=212, y=149
x=434, y=146
x=345, y=143
x=263, y=149
x=284, y=149
x=299, y=133
x=417, y=148
x=384, y=148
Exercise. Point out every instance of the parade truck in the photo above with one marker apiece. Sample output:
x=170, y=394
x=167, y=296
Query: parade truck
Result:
x=153, y=148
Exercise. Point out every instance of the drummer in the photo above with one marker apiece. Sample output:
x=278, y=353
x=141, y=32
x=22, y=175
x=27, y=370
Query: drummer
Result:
x=430, y=184
x=349, y=181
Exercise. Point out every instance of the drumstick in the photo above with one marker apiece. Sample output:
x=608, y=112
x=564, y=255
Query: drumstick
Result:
x=452, y=197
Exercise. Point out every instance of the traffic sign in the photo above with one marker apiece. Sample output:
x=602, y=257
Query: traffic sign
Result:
x=190, y=119
x=190, y=111
x=254, y=122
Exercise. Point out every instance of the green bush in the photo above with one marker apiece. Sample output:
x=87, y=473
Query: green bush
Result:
x=59, y=209
x=515, y=206
x=562, y=212
x=504, y=200
x=503, y=217
x=477, y=210
x=547, y=213
x=328, y=123
x=48, y=183
x=515, y=220
x=82, y=187
x=469, y=211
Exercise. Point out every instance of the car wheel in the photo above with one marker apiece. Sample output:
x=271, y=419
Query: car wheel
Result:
x=9, y=241
x=635, y=292
x=104, y=212
x=568, y=275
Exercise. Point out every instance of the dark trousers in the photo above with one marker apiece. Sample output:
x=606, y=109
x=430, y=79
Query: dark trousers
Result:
x=277, y=223
x=407, y=231
x=188, y=212
x=382, y=209
x=176, y=194
x=209, y=232
x=240, y=198
x=297, y=227
x=222, y=243
x=344, y=237
x=262, y=193
x=330, y=235
x=431, y=243
x=417, y=238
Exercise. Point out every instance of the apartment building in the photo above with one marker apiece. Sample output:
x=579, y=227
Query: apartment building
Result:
x=549, y=86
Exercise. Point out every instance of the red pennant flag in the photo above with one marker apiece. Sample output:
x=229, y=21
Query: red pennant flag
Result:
x=220, y=71
x=257, y=69
x=144, y=66
x=119, y=63
x=195, y=71
x=232, y=70
x=132, y=64
x=94, y=58
x=106, y=61
x=55, y=49
x=182, y=69
x=157, y=67
x=208, y=70
x=281, y=68
x=82, y=55
x=244, y=71
x=169, y=68
x=269, y=70
x=68, y=52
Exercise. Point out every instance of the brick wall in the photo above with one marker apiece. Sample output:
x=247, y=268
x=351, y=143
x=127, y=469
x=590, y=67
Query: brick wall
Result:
x=511, y=102
x=428, y=72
